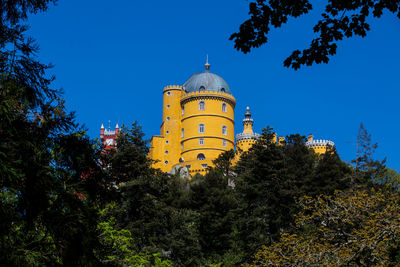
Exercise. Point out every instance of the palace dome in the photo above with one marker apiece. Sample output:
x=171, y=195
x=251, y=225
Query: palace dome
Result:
x=206, y=81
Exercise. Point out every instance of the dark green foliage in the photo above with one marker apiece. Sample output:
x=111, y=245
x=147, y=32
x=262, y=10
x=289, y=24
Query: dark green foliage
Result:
x=213, y=199
x=341, y=19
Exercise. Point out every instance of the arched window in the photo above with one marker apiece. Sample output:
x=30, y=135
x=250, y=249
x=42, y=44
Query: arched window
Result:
x=202, y=105
x=202, y=89
x=224, y=143
x=183, y=110
x=201, y=128
x=201, y=156
x=182, y=132
x=181, y=160
x=222, y=89
x=224, y=107
x=224, y=130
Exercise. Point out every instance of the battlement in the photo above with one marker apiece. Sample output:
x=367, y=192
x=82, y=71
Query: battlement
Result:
x=172, y=87
x=319, y=143
x=208, y=94
x=109, y=133
x=246, y=136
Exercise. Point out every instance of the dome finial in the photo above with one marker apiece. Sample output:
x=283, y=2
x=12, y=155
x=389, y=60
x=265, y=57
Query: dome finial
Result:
x=207, y=65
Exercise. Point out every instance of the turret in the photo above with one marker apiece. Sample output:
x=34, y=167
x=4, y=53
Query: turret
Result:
x=247, y=122
x=102, y=132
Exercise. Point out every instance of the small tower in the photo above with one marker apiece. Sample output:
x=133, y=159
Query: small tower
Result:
x=247, y=138
x=107, y=136
x=319, y=146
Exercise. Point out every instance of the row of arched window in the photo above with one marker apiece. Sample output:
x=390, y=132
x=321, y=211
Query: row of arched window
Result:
x=202, y=89
x=202, y=129
x=202, y=106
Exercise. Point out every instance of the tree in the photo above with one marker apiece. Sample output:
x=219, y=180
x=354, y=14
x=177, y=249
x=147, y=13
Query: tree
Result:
x=354, y=228
x=341, y=19
x=214, y=200
x=50, y=178
x=366, y=168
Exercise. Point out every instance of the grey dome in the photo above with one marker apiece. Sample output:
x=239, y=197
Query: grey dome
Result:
x=210, y=82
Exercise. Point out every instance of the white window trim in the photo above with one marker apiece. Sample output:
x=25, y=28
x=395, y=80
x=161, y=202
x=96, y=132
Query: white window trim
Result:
x=203, y=126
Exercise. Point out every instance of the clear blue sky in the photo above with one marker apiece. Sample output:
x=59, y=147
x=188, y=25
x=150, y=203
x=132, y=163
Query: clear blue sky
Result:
x=113, y=58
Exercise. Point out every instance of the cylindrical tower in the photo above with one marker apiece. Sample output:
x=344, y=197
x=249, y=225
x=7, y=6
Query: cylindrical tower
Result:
x=207, y=120
x=171, y=126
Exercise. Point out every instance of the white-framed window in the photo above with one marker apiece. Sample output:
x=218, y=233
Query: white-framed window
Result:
x=202, y=105
x=166, y=162
x=168, y=106
x=201, y=141
x=166, y=152
x=168, y=93
x=188, y=166
x=168, y=118
x=201, y=128
x=202, y=89
x=182, y=132
x=201, y=156
x=224, y=130
x=167, y=142
x=224, y=143
x=224, y=107
x=167, y=132
x=183, y=110
x=204, y=166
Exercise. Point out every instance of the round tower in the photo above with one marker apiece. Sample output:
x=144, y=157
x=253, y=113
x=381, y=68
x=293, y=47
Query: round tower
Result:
x=170, y=127
x=207, y=123
x=246, y=139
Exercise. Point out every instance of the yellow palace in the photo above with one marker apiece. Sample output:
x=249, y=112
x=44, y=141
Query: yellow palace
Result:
x=198, y=125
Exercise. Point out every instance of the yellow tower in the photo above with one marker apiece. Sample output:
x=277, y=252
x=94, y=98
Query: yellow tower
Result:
x=198, y=124
x=247, y=138
x=319, y=146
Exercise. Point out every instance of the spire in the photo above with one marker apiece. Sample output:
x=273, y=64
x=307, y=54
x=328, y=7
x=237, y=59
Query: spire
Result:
x=109, y=125
x=102, y=126
x=207, y=65
x=247, y=115
x=116, y=126
x=248, y=122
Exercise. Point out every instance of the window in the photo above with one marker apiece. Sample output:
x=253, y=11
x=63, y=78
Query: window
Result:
x=167, y=132
x=182, y=146
x=202, y=89
x=204, y=165
x=181, y=160
x=201, y=128
x=202, y=105
x=166, y=142
x=166, y=152
x=201, y=156
x=168, y=93
x=222, y=89
x=182, y=132
x=183, y=110
x=168, y=118
x=223, y=107
x=166, y=162
x=188, y=166
x=201, y=141
x=168, y=106
x=224, y=143
x=224, y=130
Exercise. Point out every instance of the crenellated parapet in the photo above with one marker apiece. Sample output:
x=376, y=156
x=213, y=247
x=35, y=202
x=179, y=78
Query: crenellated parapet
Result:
x=319, y=143
x=247, y=136
x=191, y=96
x=172, y=87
